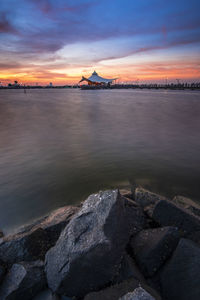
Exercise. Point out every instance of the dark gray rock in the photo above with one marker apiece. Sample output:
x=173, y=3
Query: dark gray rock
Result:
x=27, y=246
x=128, y=269
x=168, y=214
x=134, y=216
x=195, y=237
x=145, y=198
x=119, y=290
x=152, y=247
x=2, y=272
x=46, y=295
x=33, y=241
x=89, y=250
x=188, y=204
x=180, y=278
x=114, y=292
x=138, y=294
x=54, y=223
x=23, y=281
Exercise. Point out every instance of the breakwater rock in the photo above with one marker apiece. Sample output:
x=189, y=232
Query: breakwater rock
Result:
x=134, y=245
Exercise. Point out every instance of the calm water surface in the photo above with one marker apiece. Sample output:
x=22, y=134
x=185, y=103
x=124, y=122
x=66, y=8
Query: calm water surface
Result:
x=59, y=146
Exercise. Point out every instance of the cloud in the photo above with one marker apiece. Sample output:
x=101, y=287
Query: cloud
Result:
x=56, y=35
x=5, y=25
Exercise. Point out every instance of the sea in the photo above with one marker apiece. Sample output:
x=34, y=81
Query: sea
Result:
x=57, y=146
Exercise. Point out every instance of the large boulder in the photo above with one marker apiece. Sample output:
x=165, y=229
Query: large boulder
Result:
x=28, y=246
x=23, y=281
x=152, y=247
x=87, y=255
x=180, y=278
x=168, y=214
x=145, y=198
x=138, y=294
x=33, y=241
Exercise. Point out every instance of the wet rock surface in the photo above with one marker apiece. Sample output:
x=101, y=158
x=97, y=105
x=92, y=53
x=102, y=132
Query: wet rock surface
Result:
x=23, y=281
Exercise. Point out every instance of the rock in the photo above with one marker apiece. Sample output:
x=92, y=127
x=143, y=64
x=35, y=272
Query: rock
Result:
x=145, y=198
x=119, y=290
x=195, y=237
x=126, y=193
x=23, y=281
x=138, y=294
x=133, y=186
x=168, y=214
x=188, y=204
x=54, y=223
x=33, y=241
x=180, y=278
x=1, y=233
x=87, y=255
x=152, y=247
x=46, y=295
x=27, y=246
x=2, y=272
x=114, y=292
x=128, y=269
x=134, y=216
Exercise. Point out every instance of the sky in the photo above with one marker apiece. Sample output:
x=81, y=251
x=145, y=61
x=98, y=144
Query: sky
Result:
x=58, y=41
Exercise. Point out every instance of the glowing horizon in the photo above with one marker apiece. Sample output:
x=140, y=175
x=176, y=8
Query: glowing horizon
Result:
x=44, y=41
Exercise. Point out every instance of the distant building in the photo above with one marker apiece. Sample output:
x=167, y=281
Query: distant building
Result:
x=50, y=84
x=96, y=80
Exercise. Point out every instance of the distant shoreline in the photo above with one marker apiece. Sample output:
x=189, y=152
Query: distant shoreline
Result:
x=195, y=87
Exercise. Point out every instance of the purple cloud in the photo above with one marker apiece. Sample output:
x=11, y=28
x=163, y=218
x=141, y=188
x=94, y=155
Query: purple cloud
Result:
x=5, y=25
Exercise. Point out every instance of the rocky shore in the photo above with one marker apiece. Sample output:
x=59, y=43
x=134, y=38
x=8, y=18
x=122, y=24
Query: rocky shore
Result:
x=117, y=245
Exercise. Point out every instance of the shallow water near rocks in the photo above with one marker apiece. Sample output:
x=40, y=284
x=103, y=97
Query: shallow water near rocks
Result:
x=57, y=146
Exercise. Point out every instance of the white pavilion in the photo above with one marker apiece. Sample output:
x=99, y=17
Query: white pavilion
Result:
x=96, y=80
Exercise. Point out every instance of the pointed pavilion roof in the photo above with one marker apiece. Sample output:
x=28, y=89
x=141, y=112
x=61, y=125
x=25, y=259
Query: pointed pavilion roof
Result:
x=96, y=78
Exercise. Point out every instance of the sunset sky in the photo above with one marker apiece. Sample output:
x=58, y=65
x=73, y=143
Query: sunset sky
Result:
x=58, y=41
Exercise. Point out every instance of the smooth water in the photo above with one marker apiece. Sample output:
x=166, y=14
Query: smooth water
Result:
x=57, y=146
